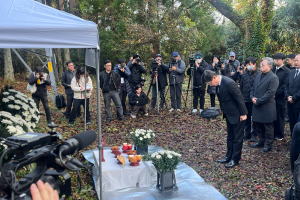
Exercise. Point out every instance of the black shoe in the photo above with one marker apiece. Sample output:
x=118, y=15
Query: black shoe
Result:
x=108, y=120
x=126, y=113
x=253, y=138
x=231, y=164
x=151, y=108
x=247, y=136
x=122, y=119
x=224, y=160
x=288, y=144
x=257, y=145
x=278, y=138
x=266, y=149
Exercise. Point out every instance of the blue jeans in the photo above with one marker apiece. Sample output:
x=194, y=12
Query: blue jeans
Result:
x=248, y=132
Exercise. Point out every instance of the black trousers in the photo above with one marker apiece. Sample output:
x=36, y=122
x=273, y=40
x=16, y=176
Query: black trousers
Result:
x=76, y=108
x=154, y=96
x=295, y=143
x=212, y=100
x=45, y=103
x=235, y=136
x=123, y=95
x=280, y=122
x=265, y=132
x=293, y=116
x=178, y=96
x=198, y=93
x=249, y=106
x=70, y=99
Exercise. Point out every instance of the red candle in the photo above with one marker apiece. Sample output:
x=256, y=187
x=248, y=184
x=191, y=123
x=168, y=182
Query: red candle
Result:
x=125, y=146
x=130, y=146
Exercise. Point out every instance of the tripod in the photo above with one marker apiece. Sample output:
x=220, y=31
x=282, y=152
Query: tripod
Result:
x=191, y=82
x=157, y=90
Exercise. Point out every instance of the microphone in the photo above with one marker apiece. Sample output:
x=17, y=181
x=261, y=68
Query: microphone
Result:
x=77, y=142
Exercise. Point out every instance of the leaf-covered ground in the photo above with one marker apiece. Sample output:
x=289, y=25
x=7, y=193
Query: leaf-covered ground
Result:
x=201, y=142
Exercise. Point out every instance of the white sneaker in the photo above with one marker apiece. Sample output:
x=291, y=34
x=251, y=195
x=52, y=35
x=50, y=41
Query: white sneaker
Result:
x=133, y=116
x=201, y=111
x=178, y=110
x=146, y=114
x=171, y=110
x=195, y=111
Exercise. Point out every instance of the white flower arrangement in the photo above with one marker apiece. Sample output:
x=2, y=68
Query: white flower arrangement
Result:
x=20, y=106
x=165, y=161
x=141, y=137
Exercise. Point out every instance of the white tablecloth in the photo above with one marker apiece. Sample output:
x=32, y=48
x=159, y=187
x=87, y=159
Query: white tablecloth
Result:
x=116, y=176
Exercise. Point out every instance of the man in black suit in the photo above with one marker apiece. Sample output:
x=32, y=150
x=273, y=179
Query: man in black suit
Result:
x=264, y=105
x=282, y=73
x=292, y=93
x=235, y=112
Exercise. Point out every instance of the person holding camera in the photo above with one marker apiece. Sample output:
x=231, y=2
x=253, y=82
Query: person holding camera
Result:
x=134, y=101
x=66, y=79
x=137, y=68
x=264, y=106
x=198, y=85
x=246, y=83
x=231, y=65
x=109, y=84
x=124, y=74
x=235, y=112
x=162, y=70
x=176, y=77
x=78, y=86
x=42, y=80
x=282, y=72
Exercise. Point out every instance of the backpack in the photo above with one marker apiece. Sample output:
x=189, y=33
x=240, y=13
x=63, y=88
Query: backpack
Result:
x=211, y=112
x=60, y=101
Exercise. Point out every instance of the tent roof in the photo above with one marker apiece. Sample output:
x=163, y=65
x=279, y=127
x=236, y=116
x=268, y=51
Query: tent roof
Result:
x=30, y=24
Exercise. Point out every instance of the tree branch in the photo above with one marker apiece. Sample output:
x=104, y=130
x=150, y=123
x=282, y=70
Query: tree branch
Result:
x=229, y=13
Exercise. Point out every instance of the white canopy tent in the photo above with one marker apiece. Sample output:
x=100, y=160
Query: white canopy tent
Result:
x=29, y=24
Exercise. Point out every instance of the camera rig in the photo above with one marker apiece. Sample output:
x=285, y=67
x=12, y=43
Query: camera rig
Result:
x=45, y=151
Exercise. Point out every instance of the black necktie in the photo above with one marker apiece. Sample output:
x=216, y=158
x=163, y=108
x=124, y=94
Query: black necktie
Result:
x=297, y=72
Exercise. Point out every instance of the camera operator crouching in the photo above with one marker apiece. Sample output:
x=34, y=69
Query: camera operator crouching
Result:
x=137, y=68
x=176, y=77
x=198, y=85
x=162, y=70
x=124, y=74
x=231, y=65
x=42, y=80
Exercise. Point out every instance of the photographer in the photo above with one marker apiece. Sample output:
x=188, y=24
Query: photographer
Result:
x=42, y=80
x=109, y=84
x=162, y=69
x=216, y=66
x=246, y=83
x=176, y=70
x=137, y=68
x=124, y=74
x=198, y=85
x=134, y=98
x=231, y=65
x=66, y=79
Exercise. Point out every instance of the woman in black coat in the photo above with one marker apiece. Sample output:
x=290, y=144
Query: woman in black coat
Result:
x=134, y=100
x=212, y=90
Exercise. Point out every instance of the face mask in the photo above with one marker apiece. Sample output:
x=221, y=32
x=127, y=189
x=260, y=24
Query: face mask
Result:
x=250, y=67
x=198, y=60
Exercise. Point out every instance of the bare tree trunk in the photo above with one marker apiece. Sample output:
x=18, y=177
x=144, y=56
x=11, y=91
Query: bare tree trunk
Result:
x=60, y=63
x=9, y=76
x=72, y=5
x=61, y=5
x=67, y=55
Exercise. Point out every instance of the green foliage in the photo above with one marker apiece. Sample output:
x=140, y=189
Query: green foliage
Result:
x=141, y=137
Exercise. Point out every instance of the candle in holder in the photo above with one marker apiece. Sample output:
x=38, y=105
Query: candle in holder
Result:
x=125, y=146
x=130, y=146
x=139, y=157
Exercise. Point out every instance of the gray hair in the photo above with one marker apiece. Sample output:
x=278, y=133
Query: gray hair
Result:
x=269, y=60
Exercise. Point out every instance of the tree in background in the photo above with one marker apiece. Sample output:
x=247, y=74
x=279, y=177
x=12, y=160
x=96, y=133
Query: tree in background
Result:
x=9, y=76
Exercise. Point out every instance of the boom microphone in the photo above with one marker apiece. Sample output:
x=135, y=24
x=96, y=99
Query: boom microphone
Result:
x=77, y=142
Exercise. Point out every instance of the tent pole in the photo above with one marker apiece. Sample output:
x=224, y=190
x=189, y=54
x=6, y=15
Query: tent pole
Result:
x=99, y=122
x=85, y=97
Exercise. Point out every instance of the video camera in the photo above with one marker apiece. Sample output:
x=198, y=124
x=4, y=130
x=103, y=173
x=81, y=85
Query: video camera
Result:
x=137, y=57
x=155, y=65
x=50, y=158
x=192, y=60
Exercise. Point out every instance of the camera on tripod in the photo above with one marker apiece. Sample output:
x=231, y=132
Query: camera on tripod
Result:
x=192, y=60
x=50, y=158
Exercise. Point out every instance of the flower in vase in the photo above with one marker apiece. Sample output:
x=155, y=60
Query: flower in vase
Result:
x=158, y=156
x=5, y=93
x=169, y=156
x=11, y=97
x=5, y=100
x=141, y=138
